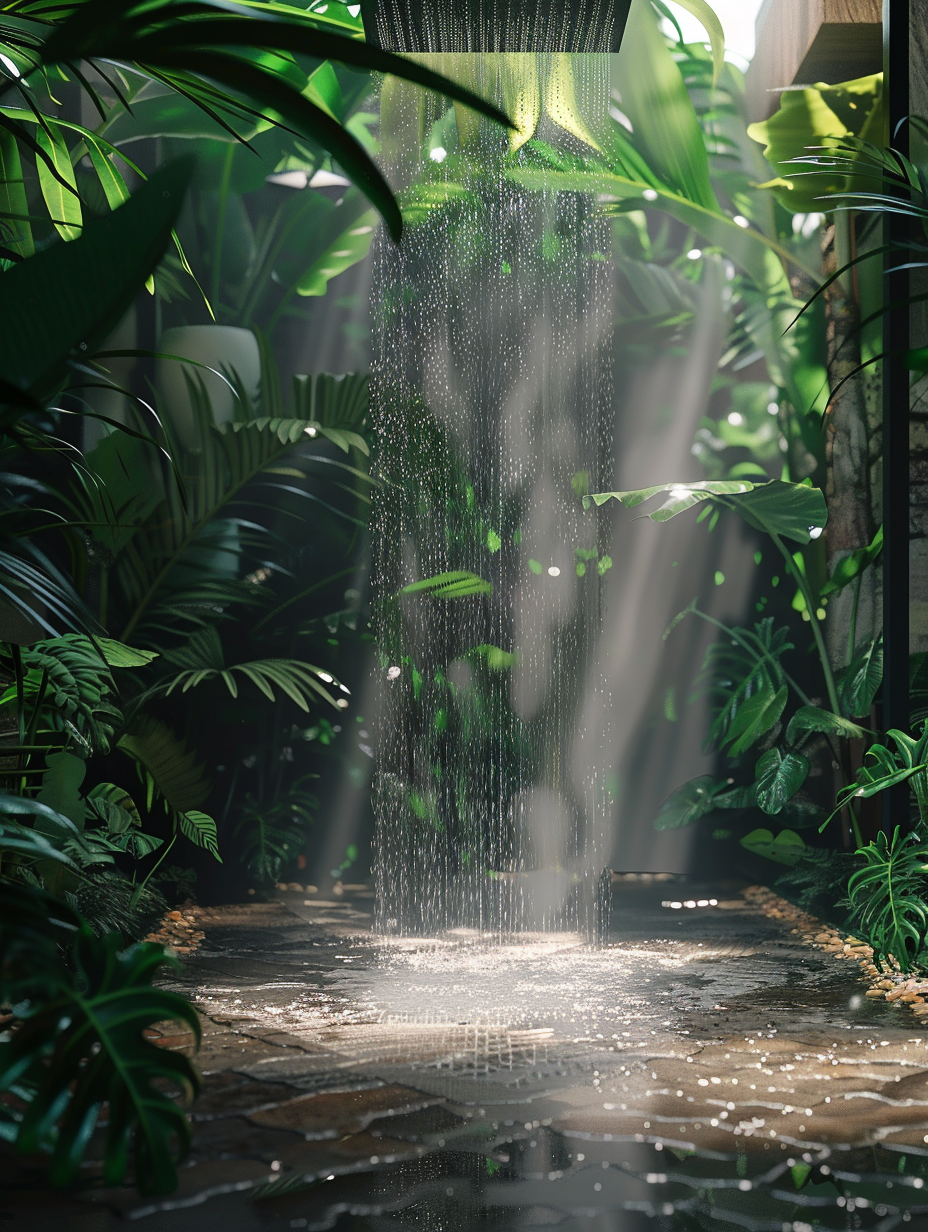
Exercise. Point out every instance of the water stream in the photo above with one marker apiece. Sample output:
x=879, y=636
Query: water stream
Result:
x=493, y=406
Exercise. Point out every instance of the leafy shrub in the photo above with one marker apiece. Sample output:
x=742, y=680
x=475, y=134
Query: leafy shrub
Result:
x=888, y=895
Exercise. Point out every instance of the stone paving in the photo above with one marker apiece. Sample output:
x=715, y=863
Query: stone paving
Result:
x=342, y=1075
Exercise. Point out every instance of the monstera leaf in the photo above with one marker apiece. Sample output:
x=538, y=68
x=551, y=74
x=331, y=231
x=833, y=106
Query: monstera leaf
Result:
x=888, y=896
x=79, y=1047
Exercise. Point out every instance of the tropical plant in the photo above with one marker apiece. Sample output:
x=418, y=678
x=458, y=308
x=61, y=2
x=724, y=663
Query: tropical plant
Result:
x=888, y=895
x=208, y=57
x=75, y=1047
x=752, y=691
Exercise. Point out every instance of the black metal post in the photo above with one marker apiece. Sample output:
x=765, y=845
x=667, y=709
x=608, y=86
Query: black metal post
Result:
x=895, y=697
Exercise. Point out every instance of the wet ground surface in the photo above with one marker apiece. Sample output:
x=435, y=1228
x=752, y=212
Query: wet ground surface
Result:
x=703, y=1070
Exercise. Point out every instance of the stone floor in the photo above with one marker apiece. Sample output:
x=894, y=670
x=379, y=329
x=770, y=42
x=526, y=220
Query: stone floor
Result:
x=704, y=1068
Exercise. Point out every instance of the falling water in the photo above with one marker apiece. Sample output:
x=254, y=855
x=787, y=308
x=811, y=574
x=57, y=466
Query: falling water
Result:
x=492, y=404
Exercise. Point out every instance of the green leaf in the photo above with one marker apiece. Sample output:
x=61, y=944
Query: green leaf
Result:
x=60, y=791
x=64, y=205
x=888, y=896
x=351, y=246
x=456, y=584
x=787, y=509
x=713, y=27
x=112, y=183
x=173, y=115
x=814, y=719
x=779, y=775
x=171, y=766
x=27, y=841
x=496, y=658
x=657, y=103
x=114, y=805
x=14, y=205
x=786, y=848
x=421, y=200
x=812, y=117
x=852, y=566
x=81, y=1047
x=860, y=681
x=94, y=279
x=118, y=655
x=135, y=843
x=200, y=828
x=754, y=719
x=688, y=803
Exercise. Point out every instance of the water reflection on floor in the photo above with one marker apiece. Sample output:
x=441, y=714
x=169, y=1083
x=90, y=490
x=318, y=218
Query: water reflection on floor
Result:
x=703, y=1070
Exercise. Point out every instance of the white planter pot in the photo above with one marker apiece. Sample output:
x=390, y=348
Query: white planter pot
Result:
x=224, y=348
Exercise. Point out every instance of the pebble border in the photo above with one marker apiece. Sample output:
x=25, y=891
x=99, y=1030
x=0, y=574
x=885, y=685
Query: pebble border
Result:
x=886, y=982
x=179, y=931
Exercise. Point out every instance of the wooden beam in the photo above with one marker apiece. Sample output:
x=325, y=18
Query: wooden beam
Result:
x=801, y=42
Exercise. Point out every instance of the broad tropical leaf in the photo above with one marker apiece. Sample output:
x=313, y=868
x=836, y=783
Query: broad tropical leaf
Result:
x=859, y=683
x=114, y=806
x=790, y=510
x=71, y=683
x=200, y=828
x=697, y=798
x=814, y=719
x=740, y=669
x=786, y=848
x=779, y=774
x=95, y=279
x=25, y=842
x=888, y=896
x=755, y=717
x=170, y=766
x=202, y=659
x=204, y=55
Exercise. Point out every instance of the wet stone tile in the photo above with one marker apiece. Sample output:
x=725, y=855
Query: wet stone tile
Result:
x=228, y=1093
x=235, y=1137
x=344, y=1112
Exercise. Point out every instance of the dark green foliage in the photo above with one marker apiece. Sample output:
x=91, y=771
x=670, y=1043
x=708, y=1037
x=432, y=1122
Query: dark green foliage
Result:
x=699, y=797
x=907, y=763
x=859, y=682
x=165, y=760
x=72, y=295
x=747, y=683
x=77, y=1044
x=818, y=882
x=70, y=680
x=271, y=835
x=889, y=896
x=778, y=776
x=106, y=901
